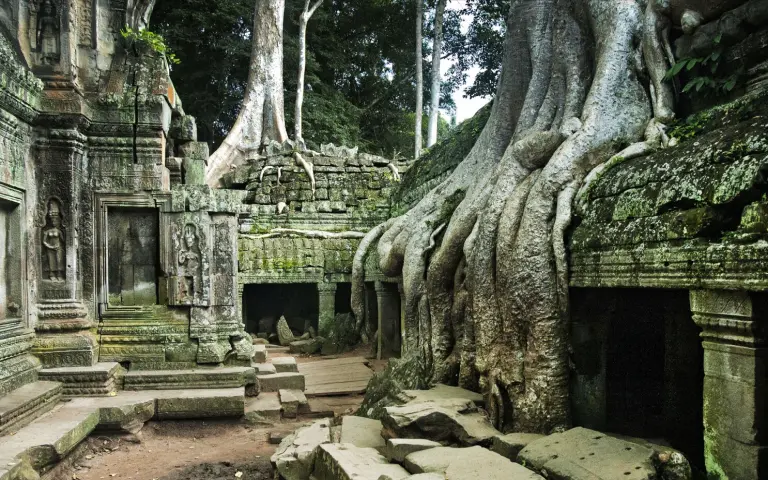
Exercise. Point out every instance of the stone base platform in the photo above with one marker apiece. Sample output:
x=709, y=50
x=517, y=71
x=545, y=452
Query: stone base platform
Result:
x=23, y=405
x=100, y=380
x=50, y=438
x=202, y=378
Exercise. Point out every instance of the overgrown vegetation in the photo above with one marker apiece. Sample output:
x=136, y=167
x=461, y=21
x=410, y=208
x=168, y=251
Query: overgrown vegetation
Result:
x=704, y=73
x=150, y=40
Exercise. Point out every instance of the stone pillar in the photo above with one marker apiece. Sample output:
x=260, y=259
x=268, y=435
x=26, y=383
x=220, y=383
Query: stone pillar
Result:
x=735, y=382
x=63, y=326
x=389, y=318
x=326, y=304
x=401, y=292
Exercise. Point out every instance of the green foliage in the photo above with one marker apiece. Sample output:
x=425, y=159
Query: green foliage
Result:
x=704, y=73
x=151, y=40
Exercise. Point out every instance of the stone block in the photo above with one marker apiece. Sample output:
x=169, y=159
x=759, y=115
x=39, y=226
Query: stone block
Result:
x=467, y=464
x=184, y=128
x=264, y=368
x=293, y=402
x=189, y=404
x=510, y=445
x=581, y=453
x=347, y=462
x=294, y=459
x=362, y=432
x=202, y=378
x=26, y=403
x=265, y=407
x=99, y=380
x=277, y=381
x=193, y=171
x=261, y=354
x=399, y=448
x=307, y=347
x=285, y=364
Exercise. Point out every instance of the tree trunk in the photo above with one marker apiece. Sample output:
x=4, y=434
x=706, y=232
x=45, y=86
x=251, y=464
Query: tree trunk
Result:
x=437, y=51
x=419, y=78
x=261, y=115
x=482, y=255
x=303, y=21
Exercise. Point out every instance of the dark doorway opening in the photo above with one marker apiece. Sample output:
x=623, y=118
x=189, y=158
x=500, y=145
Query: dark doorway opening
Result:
x=264, y=304
x=343, y=298
x=639, y=366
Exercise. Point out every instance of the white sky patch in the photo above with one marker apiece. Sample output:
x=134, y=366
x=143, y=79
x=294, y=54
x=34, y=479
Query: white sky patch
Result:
x=465, y=107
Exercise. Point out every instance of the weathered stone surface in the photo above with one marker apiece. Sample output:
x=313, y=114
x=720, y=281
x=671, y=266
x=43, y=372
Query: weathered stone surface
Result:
x=307, y=347
x=201, y=403
x=26, y=403
x=362, y=432
x=340, y=335
x=448, y=420
x=399, y=448
x=228, y=377
x=261, y=354
x=293, y=402
x=441, y=392
x=264, y=408
x=388, y=387
x=583, y=454
x=467, y=464
x=285, y=364
x=264, y=368
x=284, y=333
x=341, y=461
x=510, y=445
x=97, y=380
x=277, y=381
x=295, y=457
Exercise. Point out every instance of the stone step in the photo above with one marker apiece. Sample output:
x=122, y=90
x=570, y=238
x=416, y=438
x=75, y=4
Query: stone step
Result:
x=470, y=463
x=202, y=378
x=264, y=407
x=277, y=381
x=264, y=368
x=285, y=364
x=277, y=348
x=261, y=354
x=23, y=405
x=48, y=439
x=102, y=379
x=294, y=402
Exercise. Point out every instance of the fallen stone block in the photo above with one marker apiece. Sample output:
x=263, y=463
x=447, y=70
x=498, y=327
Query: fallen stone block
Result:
x=467, y=464
x=277, y=381
x=442, y=392
x=399, y=448
x=583, y=454
x=306, y=347
x=294, y=459
x=261, y=353
x=189, y=404
x=510, y=445
x=293, y=402
x=362, y=432
x=451, y=420
x=264, y=408
x=285, y=365
x=342, y=461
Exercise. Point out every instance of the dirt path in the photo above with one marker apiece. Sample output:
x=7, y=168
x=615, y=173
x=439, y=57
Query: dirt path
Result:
x=187, y=450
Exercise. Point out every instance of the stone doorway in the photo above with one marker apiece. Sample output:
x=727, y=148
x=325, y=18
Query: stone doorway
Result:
x=133, y=260
x=12, y=262
x=264, y=304
x=638, y=366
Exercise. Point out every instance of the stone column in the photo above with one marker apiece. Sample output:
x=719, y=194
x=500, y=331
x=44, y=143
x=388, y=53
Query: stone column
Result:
x=63, y=325
x=326, y=293
x=735, y=382
x=389, y=318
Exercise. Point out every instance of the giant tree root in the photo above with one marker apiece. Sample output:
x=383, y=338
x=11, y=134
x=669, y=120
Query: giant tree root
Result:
x=485, y=277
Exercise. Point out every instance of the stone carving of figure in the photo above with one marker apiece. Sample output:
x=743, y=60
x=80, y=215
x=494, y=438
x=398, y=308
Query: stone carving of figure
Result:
x=189, y=260
x=54, y=243
x=48, y=33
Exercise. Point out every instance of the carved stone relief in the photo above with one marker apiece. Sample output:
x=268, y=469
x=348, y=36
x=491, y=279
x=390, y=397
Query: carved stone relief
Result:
x=189, y=282
x=54, y=244
x=45, y=15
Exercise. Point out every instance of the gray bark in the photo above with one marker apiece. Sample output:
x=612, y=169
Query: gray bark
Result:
x=261, y=115
x=437, y=51
x=486, y=302
x=419, y=78
x=306, y=15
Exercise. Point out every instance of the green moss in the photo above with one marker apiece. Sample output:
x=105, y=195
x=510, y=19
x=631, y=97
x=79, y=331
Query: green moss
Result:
x=441, y=158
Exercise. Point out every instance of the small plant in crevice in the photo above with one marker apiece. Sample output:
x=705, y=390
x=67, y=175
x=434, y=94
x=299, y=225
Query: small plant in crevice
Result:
x=705, y=74
x=151, y=40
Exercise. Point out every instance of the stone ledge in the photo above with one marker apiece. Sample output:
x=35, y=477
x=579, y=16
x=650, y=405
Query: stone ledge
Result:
x=24, y=404
x=229, y=377
x=102, y=379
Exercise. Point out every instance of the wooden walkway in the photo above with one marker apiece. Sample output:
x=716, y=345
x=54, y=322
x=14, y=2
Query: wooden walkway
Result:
x=341, y=376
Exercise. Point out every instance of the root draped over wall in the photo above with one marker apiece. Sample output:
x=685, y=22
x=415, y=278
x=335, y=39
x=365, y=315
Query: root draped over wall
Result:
x=482, y=255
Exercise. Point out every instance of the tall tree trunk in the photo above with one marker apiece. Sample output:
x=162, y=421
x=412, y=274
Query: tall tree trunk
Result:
x=303, y=21
x=419, y=78
x=261, y=117
x=482, y=255
x=437, y=51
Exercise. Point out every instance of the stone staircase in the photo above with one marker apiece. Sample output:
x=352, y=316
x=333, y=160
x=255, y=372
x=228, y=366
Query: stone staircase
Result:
x=282, y=388
x=21, y=406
